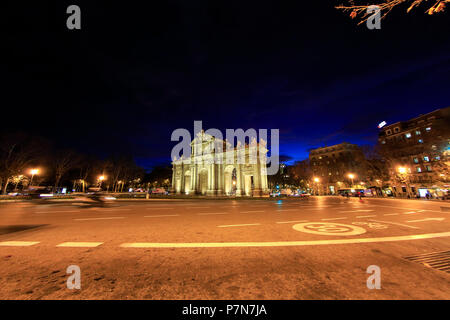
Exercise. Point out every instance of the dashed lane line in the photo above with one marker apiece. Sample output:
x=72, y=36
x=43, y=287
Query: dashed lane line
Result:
x=105, y=218
x=282, y=243
x=211, y=213
x=395, y=223
x=292, y=221
x=162, y=215
x=58, y=211
x=239, y=225
x=408, y=208
x=80, y=244
x=18, y=243
x=331, y=219
x=359, y=210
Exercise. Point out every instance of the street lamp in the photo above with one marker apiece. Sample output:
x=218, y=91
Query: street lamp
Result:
x=33, y=172
x=317, y=180
x=404, y=172
x=101, y=178
x=351, y=176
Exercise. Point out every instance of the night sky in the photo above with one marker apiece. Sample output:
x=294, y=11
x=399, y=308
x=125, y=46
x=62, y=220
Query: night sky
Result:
x=137, y=70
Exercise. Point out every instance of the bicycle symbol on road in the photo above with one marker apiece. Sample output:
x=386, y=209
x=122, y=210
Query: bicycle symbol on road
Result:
x=372, y=225
x=330, y=229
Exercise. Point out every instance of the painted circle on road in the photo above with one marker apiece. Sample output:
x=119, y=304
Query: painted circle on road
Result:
x=329, y=229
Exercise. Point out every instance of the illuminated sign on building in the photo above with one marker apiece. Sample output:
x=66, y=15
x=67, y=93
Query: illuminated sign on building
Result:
x=381, y=124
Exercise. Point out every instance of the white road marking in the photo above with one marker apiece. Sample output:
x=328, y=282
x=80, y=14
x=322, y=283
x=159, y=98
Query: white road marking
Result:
x=410, y=212
x=239, y=225
x=106, y=218
x=162, y=215
x=283, y=243
x=292, y=221
x=373, y=215
x=330, y=219
x=252, y=211
x=395, y=223
x=408, y=208
x=58, y=211
x=80, y=244
x=18, y=243
x=427, y=219
x=209, y=213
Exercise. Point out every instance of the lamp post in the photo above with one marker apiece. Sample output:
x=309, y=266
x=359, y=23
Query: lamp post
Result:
x=33, y=172
x=351, y=176
x=317, y=180
x=403, y=171
x=100, y=179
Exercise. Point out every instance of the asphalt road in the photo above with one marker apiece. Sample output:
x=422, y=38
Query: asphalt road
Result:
x=317, y=248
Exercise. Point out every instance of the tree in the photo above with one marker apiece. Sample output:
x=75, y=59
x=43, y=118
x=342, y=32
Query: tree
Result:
x=64, y=161
x=357, y=8
x=17, y=152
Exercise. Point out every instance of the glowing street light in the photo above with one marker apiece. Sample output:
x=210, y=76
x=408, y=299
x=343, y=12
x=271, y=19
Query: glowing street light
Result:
x=402, y=170
x=351, y=176
x=317, y=180
x=33, y=172
x=101, y=178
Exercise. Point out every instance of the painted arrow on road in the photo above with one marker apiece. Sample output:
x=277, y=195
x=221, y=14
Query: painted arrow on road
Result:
x=427, y=219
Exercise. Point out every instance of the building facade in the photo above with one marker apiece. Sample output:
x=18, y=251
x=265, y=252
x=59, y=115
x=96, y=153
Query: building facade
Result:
x=213, y=172
x=331, y=166
x=417, y=153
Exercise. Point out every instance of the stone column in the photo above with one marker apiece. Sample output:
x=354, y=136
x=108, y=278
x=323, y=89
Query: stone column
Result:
x=239, y=180
x=172, y=187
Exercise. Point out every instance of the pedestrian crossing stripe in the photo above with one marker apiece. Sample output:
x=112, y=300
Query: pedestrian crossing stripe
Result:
x=18, y=243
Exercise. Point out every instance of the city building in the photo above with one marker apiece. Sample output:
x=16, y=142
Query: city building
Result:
x=220, y=173
x=336, y=167
x=417, y=154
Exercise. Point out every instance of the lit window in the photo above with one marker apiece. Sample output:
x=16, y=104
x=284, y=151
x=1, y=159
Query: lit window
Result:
x=428, y=168
x=419, y=169
x=438, y=158
x=383, y=142
x=408, y=135
x=417, y=132
x=426, y=158
x=420, y=141
x=428, y=129
x=433, y=147
x=329, y=173
x=416, y=160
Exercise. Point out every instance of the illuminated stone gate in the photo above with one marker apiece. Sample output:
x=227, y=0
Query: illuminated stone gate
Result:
x=203, y=174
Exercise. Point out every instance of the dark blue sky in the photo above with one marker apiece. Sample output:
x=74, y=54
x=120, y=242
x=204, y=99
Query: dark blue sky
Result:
x=135, y=72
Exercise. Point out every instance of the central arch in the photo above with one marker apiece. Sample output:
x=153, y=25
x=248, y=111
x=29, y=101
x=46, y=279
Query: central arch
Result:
x=187, y=182
x=230, y=180
x=203, y=181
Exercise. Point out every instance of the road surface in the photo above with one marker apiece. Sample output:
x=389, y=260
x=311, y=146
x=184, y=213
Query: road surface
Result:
x=317, y=248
